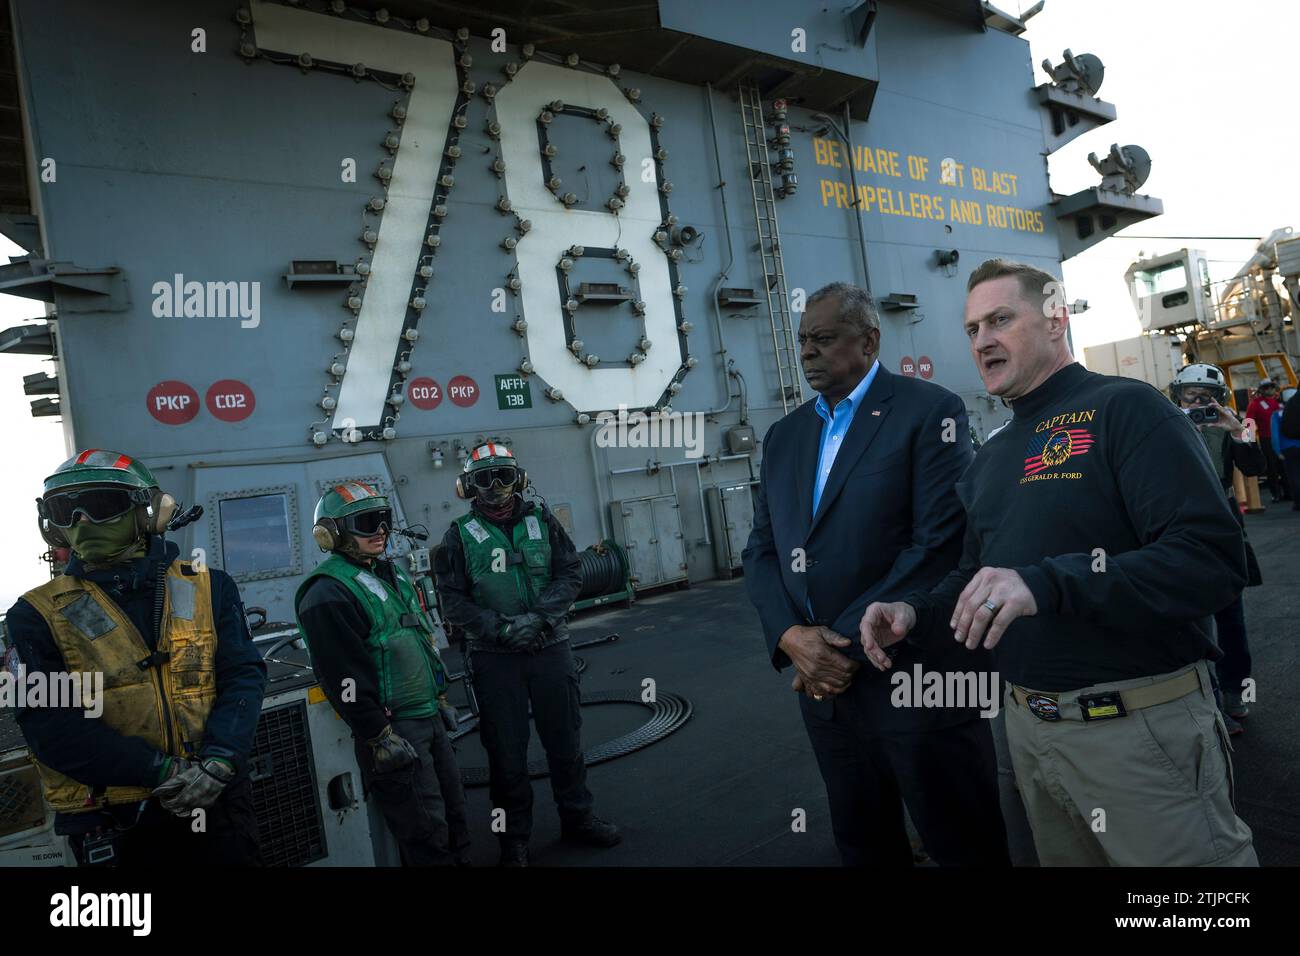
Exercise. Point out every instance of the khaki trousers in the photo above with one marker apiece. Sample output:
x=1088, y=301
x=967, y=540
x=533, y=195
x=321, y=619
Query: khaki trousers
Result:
x=1151, y=788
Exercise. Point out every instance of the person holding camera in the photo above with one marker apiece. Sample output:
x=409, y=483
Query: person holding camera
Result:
x=1200, y=391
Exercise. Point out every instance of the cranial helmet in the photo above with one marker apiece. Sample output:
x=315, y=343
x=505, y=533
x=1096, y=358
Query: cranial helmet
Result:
x=346, y=510
x=490, y=466
x=102, y=485
x=1200, y=375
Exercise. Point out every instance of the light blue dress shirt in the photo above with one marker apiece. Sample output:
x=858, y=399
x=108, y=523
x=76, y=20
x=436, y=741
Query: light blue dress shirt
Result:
x=836, y=427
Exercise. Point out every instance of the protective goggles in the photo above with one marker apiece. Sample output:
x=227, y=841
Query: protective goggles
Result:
x=486, y=478
x=363, y=524
x=1199, y=398
x=97, y=504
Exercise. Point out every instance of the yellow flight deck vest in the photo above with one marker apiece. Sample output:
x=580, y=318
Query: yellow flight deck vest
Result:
x=166, y=705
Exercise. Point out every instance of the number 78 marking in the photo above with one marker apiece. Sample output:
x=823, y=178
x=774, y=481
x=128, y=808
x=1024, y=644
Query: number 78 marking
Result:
x=370, y=372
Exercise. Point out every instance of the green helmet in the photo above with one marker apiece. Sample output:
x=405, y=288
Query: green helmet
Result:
x=335, y=522
x=98, y=468
x=346, y=499
x=490, y=455
x=95, y=466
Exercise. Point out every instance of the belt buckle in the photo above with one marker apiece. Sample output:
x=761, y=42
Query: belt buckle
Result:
x=1043, y=707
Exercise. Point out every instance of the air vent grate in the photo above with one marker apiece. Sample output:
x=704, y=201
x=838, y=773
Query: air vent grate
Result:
x=285, y=796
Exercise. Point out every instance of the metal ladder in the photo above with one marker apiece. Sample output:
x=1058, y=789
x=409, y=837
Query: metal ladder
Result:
x=788, y=370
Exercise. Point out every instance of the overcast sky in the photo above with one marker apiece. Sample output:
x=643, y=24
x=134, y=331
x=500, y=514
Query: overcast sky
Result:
x=1202, y=86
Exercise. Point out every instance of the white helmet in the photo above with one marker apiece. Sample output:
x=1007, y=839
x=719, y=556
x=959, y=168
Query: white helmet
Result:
x=1201, y=375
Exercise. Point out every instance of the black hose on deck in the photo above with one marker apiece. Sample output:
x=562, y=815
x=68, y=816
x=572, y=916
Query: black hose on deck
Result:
x=668, y=713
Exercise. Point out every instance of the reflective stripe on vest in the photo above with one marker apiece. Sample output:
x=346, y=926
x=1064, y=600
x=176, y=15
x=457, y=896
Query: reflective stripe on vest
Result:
x=167, y=705
x=507, y=574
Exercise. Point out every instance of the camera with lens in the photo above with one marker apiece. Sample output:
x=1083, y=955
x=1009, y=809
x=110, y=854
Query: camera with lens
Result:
x=1203, y=413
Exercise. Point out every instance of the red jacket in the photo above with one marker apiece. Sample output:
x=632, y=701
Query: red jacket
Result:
x=1262, y=409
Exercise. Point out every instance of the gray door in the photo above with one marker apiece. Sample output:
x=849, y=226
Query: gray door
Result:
x=636, y=521
x=668, y=538
x=738, y=515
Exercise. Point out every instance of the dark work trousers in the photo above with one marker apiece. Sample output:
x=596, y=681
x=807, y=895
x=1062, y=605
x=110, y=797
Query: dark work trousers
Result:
x=1291, y=462
x=424, y=803
x=226, y=836
x=947, y=776
x=505, y=684
x=1234, y=667
x=1275, y=476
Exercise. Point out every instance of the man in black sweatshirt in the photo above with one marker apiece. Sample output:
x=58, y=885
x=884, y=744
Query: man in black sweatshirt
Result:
x=1098, y=546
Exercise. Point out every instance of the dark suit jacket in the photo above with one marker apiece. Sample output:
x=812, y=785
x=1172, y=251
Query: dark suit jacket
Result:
x=889, y=522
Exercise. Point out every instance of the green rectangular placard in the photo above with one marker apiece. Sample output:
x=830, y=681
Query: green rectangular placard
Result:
x=513, y=392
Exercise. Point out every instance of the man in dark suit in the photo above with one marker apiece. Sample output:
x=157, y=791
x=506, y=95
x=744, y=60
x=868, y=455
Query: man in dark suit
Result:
x=856, y=503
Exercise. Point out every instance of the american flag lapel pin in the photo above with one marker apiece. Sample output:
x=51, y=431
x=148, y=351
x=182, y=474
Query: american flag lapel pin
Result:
x=875, y=411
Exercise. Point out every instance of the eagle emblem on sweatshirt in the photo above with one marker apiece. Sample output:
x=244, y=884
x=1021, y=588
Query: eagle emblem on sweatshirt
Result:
x=1051, y=449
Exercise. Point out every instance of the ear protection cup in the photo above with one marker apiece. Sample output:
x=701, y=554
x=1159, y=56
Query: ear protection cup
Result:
x=53, y=536
x=160, y=510
x=522, y=484
x=461, y=490
x=326, y=534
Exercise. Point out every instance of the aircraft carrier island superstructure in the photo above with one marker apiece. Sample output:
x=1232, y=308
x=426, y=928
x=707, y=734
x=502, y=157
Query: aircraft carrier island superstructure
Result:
x=286, y=244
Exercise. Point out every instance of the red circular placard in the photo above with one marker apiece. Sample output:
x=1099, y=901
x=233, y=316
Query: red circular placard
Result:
x=230, y=400
x=172, y=402
x=907, y=366
x=925, y=366
x=463, y=391
x=424, y=393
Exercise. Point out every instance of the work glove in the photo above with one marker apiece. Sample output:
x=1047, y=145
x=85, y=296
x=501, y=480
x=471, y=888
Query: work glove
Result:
x=171, y=766
x=521, y=631
x=195, y=786
x=533, y=625
x=450, y=719
x=390, y=752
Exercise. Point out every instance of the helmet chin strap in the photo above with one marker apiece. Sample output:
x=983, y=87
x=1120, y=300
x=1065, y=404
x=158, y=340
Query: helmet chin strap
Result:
x=348, y=548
